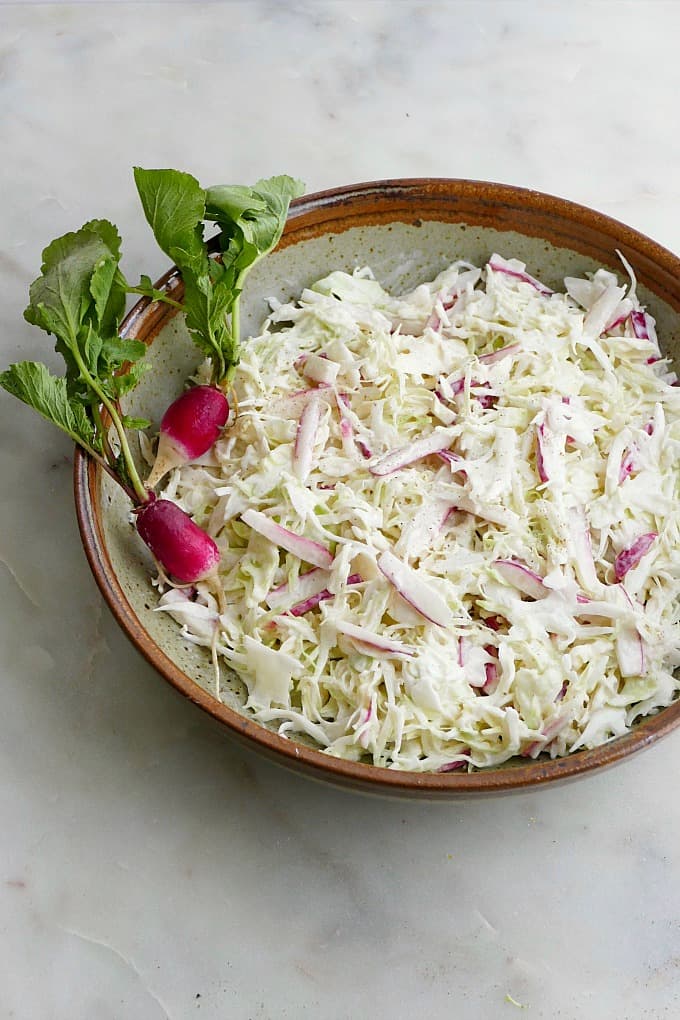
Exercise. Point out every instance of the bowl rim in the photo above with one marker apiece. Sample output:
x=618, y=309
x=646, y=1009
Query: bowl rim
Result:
x=396, y=195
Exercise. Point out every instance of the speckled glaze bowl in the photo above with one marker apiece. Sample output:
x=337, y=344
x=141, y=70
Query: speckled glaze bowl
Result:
x=407, y=231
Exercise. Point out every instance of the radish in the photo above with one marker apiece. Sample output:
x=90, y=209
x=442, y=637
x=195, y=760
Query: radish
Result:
x=304, y=548
x=435, y=442
x=300, y=608
x=513, y=268
x=522, y=577
x=425, y=599
x=371, y=643
x=189, y=427
x=631, y=556
x=183, y=549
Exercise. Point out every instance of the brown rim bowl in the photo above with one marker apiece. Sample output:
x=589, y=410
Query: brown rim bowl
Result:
x=407, y=230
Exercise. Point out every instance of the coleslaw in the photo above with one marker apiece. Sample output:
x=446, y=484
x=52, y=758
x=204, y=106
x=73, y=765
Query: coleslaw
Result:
x=448, y=520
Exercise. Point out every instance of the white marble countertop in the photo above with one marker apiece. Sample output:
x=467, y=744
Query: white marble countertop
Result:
x=148, y=868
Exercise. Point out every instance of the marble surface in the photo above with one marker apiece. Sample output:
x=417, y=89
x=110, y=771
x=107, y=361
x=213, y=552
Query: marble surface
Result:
x=149, y=869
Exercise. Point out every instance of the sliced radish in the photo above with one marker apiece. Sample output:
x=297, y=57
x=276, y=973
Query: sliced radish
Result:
x=417, y=592
x=630, y=557
x=303, y=451
x=312, y=601
x=436, y=442
x=630, y=648
x=304, y=548
x=461, y=650
x=549, y=731
x=638, y=321
x=370, y=642
x=628, y=464
x=541, y=454
x=582, y=550
x=307, y=584
x=601, y=312
x=321, y=369
x=499, y=355
x=451, y=766
x=630, y=652
x=491, y=682
x=522, y=577
x=501, y=265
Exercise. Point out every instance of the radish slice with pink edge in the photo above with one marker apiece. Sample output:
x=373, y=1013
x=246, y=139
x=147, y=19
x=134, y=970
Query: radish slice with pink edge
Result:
x=451, y=766
x=491, y=680
x=631, y=556
x=522, y=578
x=307, y=584
x=500, y=265
x=425, y=599
x=638, y=321
x=549, y=731
x=436, y=442
x=304, y=548
x=541, y=454
x=582, y=550
x=303, y=451
x=320, y=369
x=370, y=642
x=495, y=356
x=300, y=608
x=630, y=648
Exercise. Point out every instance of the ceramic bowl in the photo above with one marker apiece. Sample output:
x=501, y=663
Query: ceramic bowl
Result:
x=407, y=230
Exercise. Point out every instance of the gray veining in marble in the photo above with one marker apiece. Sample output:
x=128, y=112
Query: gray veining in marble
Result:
x=148, y=869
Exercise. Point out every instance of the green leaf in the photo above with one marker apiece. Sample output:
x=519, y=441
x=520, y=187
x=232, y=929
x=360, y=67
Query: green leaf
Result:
x=122, y=384
x=60, y=297
x=174, y=205
x=146, y=288
x=135, y=423
x=251, y=221
x=32, y=383
x=108, y=234
x=116, y=351
x=258, y=213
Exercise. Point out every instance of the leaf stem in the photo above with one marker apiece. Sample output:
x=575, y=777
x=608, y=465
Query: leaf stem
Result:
x=156, y=295
x=140, y=493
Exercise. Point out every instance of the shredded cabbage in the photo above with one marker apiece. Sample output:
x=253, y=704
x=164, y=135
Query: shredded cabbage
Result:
x=470, y=467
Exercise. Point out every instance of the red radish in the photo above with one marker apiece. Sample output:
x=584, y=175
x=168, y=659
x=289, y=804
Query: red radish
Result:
x=183, y=549
x=630, y=557
x=189, y=427
x=304, y=548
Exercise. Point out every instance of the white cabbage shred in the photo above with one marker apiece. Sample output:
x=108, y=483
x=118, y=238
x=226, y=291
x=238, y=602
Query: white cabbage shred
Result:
x=470, y=467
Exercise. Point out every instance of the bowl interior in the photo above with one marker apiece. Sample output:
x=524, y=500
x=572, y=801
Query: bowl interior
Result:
x=406, y=232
